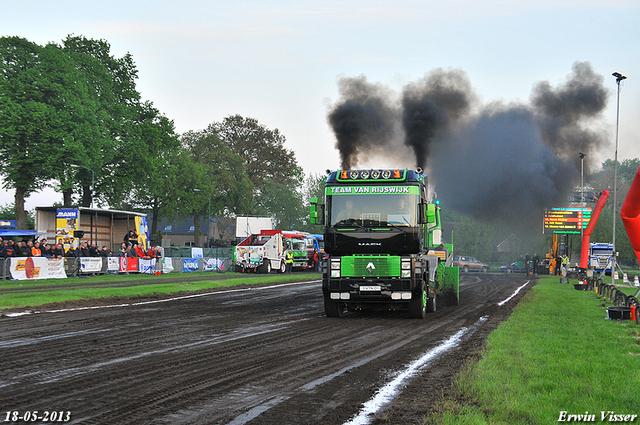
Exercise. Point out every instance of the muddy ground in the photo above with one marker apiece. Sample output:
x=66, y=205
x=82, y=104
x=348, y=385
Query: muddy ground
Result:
x=259, y=355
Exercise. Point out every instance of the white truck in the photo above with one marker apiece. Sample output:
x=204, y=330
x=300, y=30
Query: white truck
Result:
x=600, y=256
x=261, y=253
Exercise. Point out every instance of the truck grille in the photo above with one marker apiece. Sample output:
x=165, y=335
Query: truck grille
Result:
x=382, y=266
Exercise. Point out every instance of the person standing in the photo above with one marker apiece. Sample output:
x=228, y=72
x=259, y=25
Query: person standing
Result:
x=58, y=250
x=36, y=251
x=22, y=250
x=289, y=260
x=565, y=267
x=93, y=250
x=131, y=238
x=7, y=250
x=104, y=252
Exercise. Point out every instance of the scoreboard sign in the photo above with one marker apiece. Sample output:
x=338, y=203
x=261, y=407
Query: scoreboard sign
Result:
x=566, y=220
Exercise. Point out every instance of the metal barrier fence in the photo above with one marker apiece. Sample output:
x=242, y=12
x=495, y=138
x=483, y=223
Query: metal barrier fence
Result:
x=101, y=265
x=186, y=252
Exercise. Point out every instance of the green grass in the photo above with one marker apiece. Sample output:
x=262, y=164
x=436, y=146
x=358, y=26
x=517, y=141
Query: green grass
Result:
x=45, y=292
x=557, y=352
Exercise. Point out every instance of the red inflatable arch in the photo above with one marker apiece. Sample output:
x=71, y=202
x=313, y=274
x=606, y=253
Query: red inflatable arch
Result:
x=630, y=213
x=586, y=235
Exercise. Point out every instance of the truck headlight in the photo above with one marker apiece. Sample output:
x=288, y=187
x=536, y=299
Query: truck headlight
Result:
x=335, y=268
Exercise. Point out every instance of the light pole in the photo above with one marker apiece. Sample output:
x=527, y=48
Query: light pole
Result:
x=619, y=78
x=92, y=179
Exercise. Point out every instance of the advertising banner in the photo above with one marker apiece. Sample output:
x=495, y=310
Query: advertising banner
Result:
x=90, y=265
x=196, y=252
x=147, y=266
x=37, y=268
x=143, y=231
x=128, y=264
x=67, y=221
x=167, y=265
x=212, y=264
x=189, y=264
x=113, y=264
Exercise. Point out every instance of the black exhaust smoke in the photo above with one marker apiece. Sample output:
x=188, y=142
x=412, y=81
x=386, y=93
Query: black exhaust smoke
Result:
x=500, y=161
x=431, y=106
x=363, y=121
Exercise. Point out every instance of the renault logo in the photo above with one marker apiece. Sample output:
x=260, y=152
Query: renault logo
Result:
x=370, y=268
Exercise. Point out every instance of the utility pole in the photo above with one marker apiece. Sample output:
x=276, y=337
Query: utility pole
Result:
x=619, y=78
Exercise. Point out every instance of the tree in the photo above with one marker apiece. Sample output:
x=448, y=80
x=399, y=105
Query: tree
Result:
x=262, y=150
x=283, y=202
x=156, y=171
x=32, y=84
x=8, y=212
x=226, y=188
x=62, y=105
x=106, y=137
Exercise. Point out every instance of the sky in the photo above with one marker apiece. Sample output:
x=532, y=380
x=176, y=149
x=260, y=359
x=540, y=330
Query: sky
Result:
x=280, y=61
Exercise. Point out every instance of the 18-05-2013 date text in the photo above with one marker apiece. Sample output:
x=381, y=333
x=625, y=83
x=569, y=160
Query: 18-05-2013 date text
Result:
x=35, y=415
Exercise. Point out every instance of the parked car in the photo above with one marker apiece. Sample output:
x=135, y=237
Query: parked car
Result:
x=516, y=267
x=468, y=264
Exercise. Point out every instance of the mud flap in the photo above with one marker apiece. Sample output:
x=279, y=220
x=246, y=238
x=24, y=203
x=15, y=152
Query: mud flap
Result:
x=448, y=285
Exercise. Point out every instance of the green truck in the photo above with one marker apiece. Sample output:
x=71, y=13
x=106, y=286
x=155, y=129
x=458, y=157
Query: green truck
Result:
x=383, y=243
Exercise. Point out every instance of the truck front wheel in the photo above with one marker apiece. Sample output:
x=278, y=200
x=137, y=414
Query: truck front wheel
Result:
x=418, y=304
x=265, y=267
x=333, y=308
x=283, y=267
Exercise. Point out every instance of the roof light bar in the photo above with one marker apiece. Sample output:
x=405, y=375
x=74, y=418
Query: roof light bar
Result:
x=371, y=174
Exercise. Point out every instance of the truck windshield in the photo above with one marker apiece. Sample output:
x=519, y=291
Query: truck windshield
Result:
x=373, y=209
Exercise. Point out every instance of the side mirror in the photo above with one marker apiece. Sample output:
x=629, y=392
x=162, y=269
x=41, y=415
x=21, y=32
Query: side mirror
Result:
x=421, y=212
x=431, y=213
x=316, y=212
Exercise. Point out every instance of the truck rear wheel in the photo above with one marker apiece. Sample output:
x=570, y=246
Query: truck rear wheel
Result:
x=333, y=308
x=418, y=304
x=283, y=267
x=431, y=304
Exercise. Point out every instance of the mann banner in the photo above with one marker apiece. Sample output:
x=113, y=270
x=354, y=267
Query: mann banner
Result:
x=67, y=221
x=37, y=268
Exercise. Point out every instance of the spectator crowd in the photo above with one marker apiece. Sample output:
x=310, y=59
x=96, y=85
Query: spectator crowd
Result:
x=41, y=248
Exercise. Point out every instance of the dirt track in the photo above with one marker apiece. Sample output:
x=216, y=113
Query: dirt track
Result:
x=256, y=356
